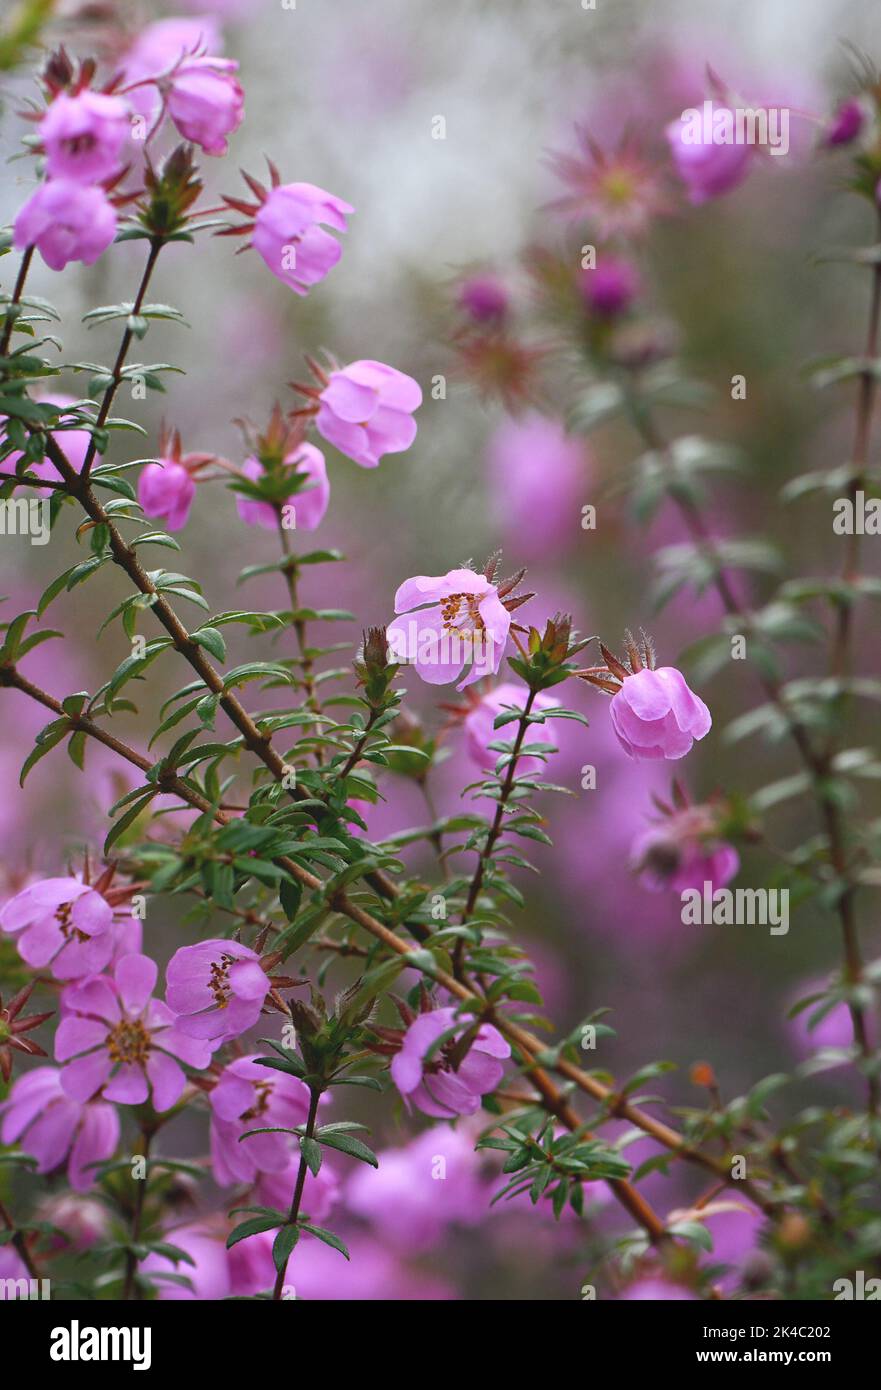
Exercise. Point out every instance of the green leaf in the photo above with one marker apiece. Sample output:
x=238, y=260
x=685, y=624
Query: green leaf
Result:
x=327, y=1236
x=347, y=1144
x=283, y=1245
x=311, y=1151
x=254, y=1227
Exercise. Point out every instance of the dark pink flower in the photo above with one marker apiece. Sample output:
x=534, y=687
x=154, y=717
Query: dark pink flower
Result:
x=64, y=924
x=66, y=221
x=611, y=287
x=441, y=1085
x=484, y=298
x=249, y=1096
x=84, y=135
x=655, y=715
x=216, y=988
x=289, y=233
x=451, y=620
x=479, y=721
x=366, y=410
x=309, y=505
x=115, y=1036
x=52, y=1126
x=845, y=125
x=205, y=101
x=166, y=489
x=708, y=169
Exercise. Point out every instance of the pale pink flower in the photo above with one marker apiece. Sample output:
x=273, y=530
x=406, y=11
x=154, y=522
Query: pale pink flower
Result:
x=289, y=233
x=707, y=168
x=479, y=721
x=206, y=102
x=440, y=1084
x=84, y=136
x=451, y=620
x=166, y=489
x=366, y=411
x=249, y=1096
x=655, y=715
x=52, y=1126
x=309, y=506
x=66, y=221
x=61, y=923
x=216, y=988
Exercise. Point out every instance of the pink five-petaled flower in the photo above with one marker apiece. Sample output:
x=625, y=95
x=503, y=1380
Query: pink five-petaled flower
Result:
x=655, y=715
x=84, y=135
x=441, y=1084
x=309, y=506
x=166, y=489
x=205, y=101
x=707, y=168
x=114, y=1035
x=51, y=1126
x=216, y=988
x=64, y=924
x=66, y=221
x=249, y=1096
x=481, y=717
x=366, y=410
x=289, y=233
x=451, y=620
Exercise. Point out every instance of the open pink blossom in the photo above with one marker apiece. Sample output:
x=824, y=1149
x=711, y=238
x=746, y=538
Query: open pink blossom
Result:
x=452, y=620
x=665, y=861
x=366, y=411
x=47, y=1123
x=289, y=233
x=708, y=169
x=309, y=505
x=421, y=1190
x=441, y=1085
x=480, y=733
x=84, y=136
x=66, y=221
x=166, y=489
x=216, y=988
x=61, y=923
x=250, y=1096
x=114, y=1035
x=206, y=102
x=655, y=715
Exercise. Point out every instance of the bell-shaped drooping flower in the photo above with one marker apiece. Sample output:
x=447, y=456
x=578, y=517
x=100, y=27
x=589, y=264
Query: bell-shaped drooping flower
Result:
x=84, y=136
x=205, y=101
x=480, y=720
x=685, y=848
x=654, y=713
x=289, y=231
x=366, y=411
x=116, y=1038
x=707, y=166
x=41, y=1118
x=155, y=52
x=216, y=989
x=66, y=221
x=249, y=1096
x=308, y=506
x=167, y=487
x=450, y=622
x=449, y=1078
x=61, y=923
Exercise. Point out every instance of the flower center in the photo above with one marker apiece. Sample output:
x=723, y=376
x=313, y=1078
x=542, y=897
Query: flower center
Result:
x=68, y=930
x=461, y=613
x=261, y=1102
x=80, y=144
x=129, y=1042
x=218, y=982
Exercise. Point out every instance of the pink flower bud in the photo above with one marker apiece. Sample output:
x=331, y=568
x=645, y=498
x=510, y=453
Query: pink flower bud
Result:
x=289, y=233
x=309, y=506
x=611, y=287
x=66, y=221
x=367, y=409
x=206, y=102
x=84, y=135
x=845, y=125
x=166, y=489
x=655, y=715
x=708, y=169
x=484, y=298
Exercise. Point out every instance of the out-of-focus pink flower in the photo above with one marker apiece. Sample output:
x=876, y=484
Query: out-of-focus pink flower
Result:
x=655, y=715
x=115, y=1036
x=366, y=411
x=618, y=191
x=420, y=1190
x=208, y=1274
x=53, y=1127
x=309, y=505
x=12, y=1266
x=845, y=125
x=611, y=287
x=216, y=988
x=479, y=721
x=289, y=233
x=206, y=102
x=452, y=619
x=316, y=1271
x=166, y=489
x=681, y=852
x=484, y=298
x=84, y=135
x=249, y=1096
x=156, y=50
x=834, y=1030
x=655, y=1291
x=64, y=924
x=81, y=1219
x=706, y=168
x=537, y=475
x=435, y=1085
x=66, y=221
x=320, y=1195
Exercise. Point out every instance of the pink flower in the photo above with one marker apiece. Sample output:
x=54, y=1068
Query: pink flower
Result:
x=436, y=1085
x=366, y=410
x=206, y=102
x=453, y=619
x=537, y=473
x=166, y=489
x=66, y=221
x=845, y=125
x=309, y=505
x=249, y=1096
x=114, y=1035
x=618, y=191
x=706, y=168
x=208, y=1274
x=82, y=1221
x=611, y=287
x=420, y=1190
x=834, y=1030
x=655, y=715
x=216, y=988
x=53, y=1127
x=64, y=924
x=484, y=298
x=654, y=1291
x=157, y=49
x=667, y=860
x=289, y=235
x=479, y=731
x=84, y=135
x=320, y=1194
